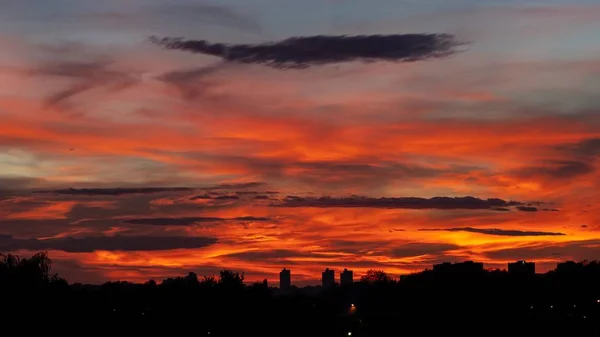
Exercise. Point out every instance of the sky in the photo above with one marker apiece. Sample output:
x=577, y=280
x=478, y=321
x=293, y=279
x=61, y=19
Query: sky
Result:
x=144, y=139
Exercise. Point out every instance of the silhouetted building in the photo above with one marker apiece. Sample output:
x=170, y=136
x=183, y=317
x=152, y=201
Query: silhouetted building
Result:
x=328, y=278
x=521, y=268
x=460, y=267
x=346, y=277
x=285, y=279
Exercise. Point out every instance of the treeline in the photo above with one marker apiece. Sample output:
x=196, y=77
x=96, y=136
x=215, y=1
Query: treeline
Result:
x=565, y=300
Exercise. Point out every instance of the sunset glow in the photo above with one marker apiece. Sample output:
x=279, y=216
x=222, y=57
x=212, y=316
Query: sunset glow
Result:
x=127, y=160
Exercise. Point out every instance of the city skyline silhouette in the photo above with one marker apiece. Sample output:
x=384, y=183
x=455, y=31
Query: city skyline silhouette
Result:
x=564, y=300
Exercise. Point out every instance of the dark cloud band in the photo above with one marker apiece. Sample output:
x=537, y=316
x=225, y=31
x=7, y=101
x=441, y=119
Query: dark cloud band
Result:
x=496, y=231
x=108, y=243
x=189, y=221
x=118, y=191
x=302, y=52
x=404, y=202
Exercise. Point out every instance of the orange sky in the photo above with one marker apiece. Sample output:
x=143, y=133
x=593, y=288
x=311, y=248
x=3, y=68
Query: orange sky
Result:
x=286, y=168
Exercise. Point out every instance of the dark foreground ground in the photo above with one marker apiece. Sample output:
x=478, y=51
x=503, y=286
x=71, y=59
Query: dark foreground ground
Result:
x=153, y=312
x=458, y=301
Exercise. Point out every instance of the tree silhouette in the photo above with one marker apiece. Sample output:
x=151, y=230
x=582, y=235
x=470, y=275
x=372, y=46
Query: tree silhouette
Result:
x=192, y=279
x=375, y=276
x=26, y=271
x=209, y=281
x=231, y=280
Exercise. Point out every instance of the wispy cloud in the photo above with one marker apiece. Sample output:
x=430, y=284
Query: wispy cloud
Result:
x=85, y=76
x=8, y=183
x=563, y=169
x=422, y=248
x=191, y=83
x=572, y=250
x=213, y=14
